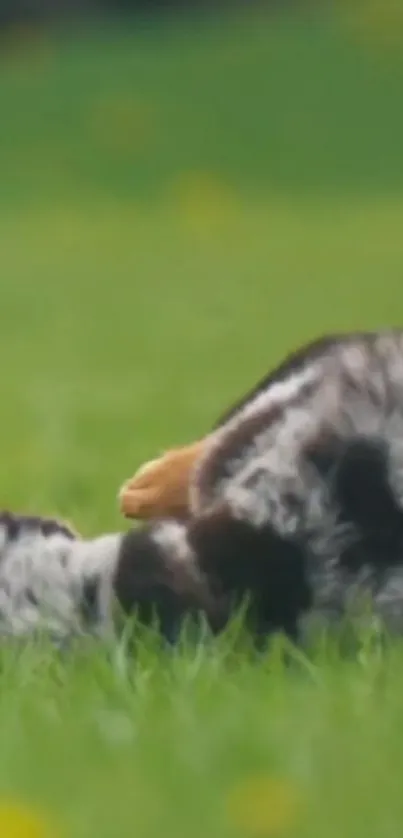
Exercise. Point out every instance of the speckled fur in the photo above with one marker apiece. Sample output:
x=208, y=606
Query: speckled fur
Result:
x=354, y=387
x=312, y=461
x=56, y=583
x=44, y=573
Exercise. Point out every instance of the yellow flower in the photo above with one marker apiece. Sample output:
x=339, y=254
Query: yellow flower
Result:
x=377, y=21
x=263, y=807
x=20, y=821
x=205, y=202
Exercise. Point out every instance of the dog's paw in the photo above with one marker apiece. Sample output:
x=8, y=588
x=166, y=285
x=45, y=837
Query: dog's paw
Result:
x=143, y=504
x=160, y=488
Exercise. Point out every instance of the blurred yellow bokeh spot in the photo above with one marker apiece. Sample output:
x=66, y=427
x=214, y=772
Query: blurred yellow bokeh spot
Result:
x=379, y=22
x=18, y=820
x=204, y=201
x=263, y=807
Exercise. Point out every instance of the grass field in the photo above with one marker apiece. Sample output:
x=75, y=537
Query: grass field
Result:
x=164, y=238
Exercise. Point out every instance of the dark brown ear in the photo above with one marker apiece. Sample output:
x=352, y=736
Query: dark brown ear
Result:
x=366, y=499
x=257, y=563
x=153, y=582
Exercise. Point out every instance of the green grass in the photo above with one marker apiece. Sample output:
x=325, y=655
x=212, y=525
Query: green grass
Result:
x=159, y=746
x=139, y=296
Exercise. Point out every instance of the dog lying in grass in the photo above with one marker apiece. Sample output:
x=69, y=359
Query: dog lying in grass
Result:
x=295, y=501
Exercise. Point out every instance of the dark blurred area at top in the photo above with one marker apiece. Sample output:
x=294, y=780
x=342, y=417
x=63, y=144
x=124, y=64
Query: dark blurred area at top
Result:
x=42, y=11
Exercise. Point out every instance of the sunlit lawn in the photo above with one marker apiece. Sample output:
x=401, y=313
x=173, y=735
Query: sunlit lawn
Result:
x=137, y=299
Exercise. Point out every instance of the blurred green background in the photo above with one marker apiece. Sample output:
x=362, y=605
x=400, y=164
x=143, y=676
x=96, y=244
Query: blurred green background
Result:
x=181, y=201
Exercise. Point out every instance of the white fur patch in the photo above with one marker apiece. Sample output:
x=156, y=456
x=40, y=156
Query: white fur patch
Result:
x=171, y=536
x=43, y=577
x=282, y=392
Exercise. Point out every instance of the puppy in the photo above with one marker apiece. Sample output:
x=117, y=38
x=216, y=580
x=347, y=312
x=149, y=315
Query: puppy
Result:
x=296, y=498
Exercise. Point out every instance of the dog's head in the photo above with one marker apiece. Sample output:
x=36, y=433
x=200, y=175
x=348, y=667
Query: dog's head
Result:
x=157, y=578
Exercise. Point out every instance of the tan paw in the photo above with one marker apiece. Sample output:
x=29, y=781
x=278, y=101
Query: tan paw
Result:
x=139, y=503
x=160, y=488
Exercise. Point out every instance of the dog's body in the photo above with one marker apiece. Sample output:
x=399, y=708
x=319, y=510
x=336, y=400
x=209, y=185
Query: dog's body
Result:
x=296, y=500
x=302, y=485
x=296, y=497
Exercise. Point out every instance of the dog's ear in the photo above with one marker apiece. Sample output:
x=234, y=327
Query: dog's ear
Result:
x=142, y=582
x=363, y=487
x=160, y=488
x=156, y=577
x=243, y=560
